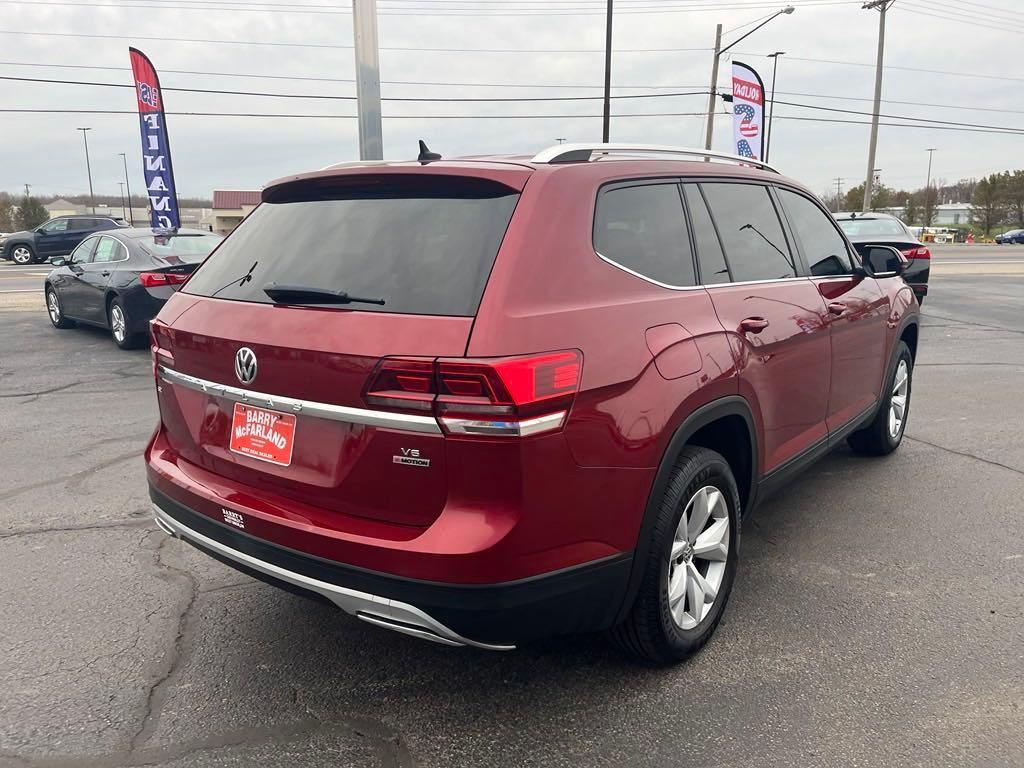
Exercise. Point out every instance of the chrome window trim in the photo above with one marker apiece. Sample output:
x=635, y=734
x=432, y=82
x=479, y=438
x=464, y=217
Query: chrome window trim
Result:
x=381, y=419
x=702, y=286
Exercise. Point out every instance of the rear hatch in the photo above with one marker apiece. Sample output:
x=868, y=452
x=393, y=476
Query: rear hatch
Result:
x=270, y=392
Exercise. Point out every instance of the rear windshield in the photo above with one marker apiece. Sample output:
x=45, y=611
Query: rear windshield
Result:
x=855, y=227
x=425, y=245
x=187, y=249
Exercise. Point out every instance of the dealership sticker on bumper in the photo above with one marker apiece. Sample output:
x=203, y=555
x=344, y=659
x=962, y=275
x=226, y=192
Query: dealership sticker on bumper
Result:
x=262, y=434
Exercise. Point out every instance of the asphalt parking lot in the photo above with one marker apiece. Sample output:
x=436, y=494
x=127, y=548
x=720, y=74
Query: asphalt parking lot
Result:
x=877, y=618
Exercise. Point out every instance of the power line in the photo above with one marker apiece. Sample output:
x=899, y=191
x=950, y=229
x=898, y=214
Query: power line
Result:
x=439, y=99
x=344, y=47
x=447, y=10
x=1004, y=131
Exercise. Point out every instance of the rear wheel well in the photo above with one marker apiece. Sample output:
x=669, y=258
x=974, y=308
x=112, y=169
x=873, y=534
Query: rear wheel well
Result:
x=909, y=337
x=730, y=436
x=110, y=300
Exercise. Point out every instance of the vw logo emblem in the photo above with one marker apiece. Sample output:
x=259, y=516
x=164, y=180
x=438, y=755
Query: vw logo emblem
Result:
x=245, y=365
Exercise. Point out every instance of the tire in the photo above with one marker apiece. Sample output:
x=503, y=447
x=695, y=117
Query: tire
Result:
x=119, y=323
x=885, y=432
x=56, y=310
x=661, y=627
x=23, y=255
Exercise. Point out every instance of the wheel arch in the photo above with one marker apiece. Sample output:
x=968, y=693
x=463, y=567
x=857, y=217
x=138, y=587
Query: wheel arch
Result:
x=720, y=425
x=909, y=335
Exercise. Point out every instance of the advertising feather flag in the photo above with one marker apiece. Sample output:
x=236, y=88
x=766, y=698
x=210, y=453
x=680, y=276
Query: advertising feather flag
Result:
x=748, y=111
x=156, y=149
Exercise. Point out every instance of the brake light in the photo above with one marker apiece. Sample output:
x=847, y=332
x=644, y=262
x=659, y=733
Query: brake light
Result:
x=159, y=343
x=510, y=396
x=917, y=253
x=158, y=279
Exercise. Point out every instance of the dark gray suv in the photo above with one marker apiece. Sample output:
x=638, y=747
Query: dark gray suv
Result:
x=56, y=237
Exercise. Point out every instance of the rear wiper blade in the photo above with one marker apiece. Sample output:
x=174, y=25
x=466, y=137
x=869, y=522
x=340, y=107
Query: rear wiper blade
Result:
x=301, y=294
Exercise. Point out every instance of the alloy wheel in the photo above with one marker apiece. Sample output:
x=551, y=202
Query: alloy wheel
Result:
x=22, y=255
x=117, y=323
x=898, y=401
x=53, y=307
x=700, y=551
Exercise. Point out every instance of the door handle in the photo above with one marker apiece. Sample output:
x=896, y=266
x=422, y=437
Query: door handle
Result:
x=836, y=307
x=753, y=325
x=104, y=273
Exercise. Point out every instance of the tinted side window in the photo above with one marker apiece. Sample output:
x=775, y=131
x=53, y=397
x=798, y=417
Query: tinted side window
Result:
x=107, y=250
x=823, y=246
x=710, y=258
x=751, y=232
x=57, y=225
x=82, y=253
x=643, y=228
x=77, y=225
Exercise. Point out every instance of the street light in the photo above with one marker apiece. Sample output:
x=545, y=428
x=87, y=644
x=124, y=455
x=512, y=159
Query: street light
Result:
x=929, y=206
x=88, y=168
x=123, y=214
x=714, y=68
x=607, y=116
x=131, y=216
x=771, y=109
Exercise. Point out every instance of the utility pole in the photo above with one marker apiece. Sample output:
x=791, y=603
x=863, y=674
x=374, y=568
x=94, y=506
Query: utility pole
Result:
x=882, y=6
x=719, y=50
x=771, y=108
x=88, y=168
x=839, y=194
x=27, y=188
x=929, y=206
x=123, y=214
x=364, y=29
x=709, y=130
x=131, y=216
x=606, y=131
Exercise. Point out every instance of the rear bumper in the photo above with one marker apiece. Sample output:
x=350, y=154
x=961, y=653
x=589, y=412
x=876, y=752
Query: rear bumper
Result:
x=492, y=616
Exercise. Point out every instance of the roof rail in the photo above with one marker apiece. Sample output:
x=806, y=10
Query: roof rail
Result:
x=581, y=153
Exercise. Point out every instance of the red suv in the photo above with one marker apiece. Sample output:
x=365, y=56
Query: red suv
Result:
x=486, y=400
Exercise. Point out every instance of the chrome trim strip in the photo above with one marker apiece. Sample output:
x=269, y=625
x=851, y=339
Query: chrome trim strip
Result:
x=701, y=287
x=552, y=154
x=496, y=428
x=381, y=611
x=382, y=419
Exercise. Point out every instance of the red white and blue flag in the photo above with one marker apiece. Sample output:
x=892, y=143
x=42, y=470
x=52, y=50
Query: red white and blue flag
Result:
x=156, y=149
x=748, y=111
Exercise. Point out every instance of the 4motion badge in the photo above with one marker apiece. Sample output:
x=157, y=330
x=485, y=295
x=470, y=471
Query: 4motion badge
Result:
x=410, y=457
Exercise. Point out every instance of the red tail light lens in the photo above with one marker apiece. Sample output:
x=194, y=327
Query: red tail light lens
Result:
x=159, y=279
x=917, y=253
x=510, y=396
x=403, y=383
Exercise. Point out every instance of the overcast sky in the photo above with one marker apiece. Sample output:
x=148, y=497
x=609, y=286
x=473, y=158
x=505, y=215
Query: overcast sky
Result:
x=244, y=152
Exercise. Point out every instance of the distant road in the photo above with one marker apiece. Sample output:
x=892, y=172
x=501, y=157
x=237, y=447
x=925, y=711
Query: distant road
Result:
x=977, y=259
x=15, y=279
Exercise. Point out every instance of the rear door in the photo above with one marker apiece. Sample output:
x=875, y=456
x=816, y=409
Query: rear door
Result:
x=775, y=316
x=425, y=245
x=857, y=309
x=95, y=278
x=69, y=285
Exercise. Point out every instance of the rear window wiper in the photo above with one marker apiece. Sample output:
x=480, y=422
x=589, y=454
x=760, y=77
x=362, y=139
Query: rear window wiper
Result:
x=300, y=294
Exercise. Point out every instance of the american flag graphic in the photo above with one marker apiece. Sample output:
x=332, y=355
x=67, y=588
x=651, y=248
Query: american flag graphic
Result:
x=748, y=129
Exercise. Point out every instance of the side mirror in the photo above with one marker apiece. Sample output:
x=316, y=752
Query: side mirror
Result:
x=58, y=261
x=882, y=260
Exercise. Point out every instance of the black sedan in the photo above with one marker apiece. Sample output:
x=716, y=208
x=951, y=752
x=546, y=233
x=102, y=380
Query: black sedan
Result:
x=864, y=229
x=119, y=279
x=1011, y=237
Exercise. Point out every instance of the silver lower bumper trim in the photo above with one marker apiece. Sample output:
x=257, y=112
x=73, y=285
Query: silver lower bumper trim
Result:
x=381, y=611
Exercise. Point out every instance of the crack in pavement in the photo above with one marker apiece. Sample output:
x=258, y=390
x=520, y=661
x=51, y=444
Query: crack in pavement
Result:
x=386, y=743
x=966, y=455
x=73, y=481
x=136, y=521
x=968, y=322
x=41, y=392
x=158, y=689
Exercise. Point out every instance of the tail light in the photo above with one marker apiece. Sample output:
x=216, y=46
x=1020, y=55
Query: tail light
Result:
x=159, y=347
x=492, y=397
x=159, y=279
x=917, y=253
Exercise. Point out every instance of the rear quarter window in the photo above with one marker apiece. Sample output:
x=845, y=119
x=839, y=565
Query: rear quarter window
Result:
x=642, y=227
x=424, y=244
